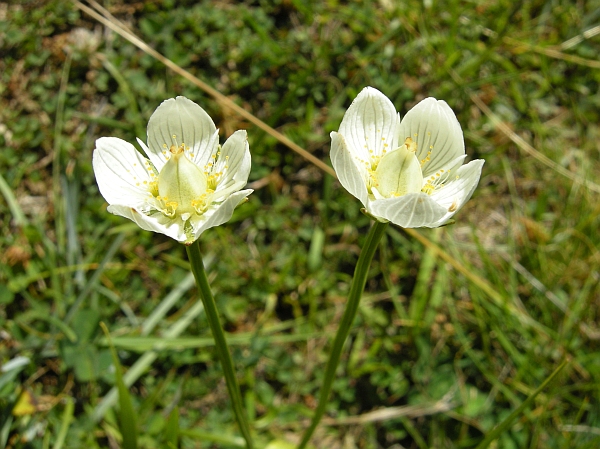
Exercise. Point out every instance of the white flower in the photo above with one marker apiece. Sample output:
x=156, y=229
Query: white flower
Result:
x=408, y=172
x=188, y=183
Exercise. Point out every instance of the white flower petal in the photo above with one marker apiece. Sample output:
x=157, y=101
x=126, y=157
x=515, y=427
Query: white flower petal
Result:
x=218, y=215
x=370, y=125
x=156, y=222
x=413, y=210
x=444, y=174
x=122, y=173
x=180, y=121
x=204, y=154
x=222, y=193
x=234, y=160
x=434, y=127
x=350, y=175
x=453, y=165
x=458, y=191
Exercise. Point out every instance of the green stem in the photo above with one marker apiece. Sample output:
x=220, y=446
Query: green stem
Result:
x=358, y=285
x=212, y=316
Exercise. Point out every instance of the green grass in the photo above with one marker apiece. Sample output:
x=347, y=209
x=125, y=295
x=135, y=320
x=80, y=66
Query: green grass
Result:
x=463, y=324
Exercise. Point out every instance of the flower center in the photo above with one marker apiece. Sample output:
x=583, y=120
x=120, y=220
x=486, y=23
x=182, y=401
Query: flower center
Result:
x=182, y=186
x=398, y=172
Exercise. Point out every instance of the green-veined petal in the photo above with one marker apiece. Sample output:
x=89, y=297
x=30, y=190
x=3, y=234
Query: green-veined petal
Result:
x=351, y=174
x=370, y=125
x=122, y=173
x=437, y=133
x=413, y=210
x=180, y=121
x=458, y=191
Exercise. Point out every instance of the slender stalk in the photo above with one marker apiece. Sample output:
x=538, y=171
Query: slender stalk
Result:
x=358, y=285
x=212, y=316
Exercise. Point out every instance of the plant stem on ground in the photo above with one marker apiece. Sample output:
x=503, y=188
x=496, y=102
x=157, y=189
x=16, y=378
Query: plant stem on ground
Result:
x=358, y=285
x=212, y=315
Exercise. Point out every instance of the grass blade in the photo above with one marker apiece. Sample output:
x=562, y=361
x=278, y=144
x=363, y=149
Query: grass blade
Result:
x=497, y=431
x=172, y=429
x=66, y=422
x=127, y=418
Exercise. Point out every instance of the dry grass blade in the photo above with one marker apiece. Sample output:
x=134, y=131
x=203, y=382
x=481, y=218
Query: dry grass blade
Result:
x=104, y=17
x=534, y=282
x=579, y=429
x=528, y=148
x=553, y=53
x=588, y=34
x=385, y=414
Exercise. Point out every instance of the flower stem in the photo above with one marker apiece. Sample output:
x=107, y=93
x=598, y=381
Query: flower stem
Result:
x=212, y=316
x=358, y=285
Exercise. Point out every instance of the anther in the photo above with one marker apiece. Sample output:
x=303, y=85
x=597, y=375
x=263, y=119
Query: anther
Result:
x=410, y=144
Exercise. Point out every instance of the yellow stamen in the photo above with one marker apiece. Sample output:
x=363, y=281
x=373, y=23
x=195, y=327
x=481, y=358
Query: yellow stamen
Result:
x=453, y=206
x=410, y=144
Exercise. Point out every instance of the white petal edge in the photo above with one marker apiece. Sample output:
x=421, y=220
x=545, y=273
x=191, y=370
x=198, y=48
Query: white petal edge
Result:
x=155, y=223
x=351, y=176
x=149, y=153
x=220, y=214
x=433, y=125
x=370, y=124
x=413, y=210
x=122, y=173
x=188, y=122
x=457, y=192
x=234, y=160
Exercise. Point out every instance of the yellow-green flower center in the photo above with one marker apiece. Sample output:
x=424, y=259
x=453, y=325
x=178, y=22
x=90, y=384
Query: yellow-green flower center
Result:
x=398, y=172
x=182, y=186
